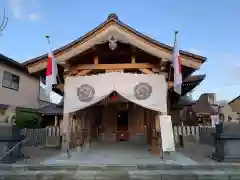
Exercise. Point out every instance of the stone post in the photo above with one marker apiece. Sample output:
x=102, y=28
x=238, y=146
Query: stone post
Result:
x=56, y=121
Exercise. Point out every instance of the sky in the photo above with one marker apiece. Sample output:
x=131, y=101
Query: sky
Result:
x=207, y=28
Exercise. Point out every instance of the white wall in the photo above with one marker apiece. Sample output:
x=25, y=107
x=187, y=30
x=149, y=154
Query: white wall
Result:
x=26, y=96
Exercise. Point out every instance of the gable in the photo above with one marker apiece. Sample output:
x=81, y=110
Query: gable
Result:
x=123, y=33
x=235, y=104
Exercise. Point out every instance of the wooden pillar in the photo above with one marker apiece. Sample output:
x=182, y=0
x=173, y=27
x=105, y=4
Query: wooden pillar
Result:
x=66, y=66
x=66, y=132
x=96, y=60
x=155, y=139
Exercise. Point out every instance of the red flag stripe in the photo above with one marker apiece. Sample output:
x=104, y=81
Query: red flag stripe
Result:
x=49, y=66
x=179, y=64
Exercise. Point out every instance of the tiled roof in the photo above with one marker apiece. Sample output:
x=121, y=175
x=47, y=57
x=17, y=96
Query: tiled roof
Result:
x=113, y=18
x=14, y=64
x=237, y=98
x=52, y=109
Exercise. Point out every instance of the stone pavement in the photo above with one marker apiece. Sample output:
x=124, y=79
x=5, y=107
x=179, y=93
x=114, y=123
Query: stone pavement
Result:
x=120, y=161
x=117, y=153
x=38, y=154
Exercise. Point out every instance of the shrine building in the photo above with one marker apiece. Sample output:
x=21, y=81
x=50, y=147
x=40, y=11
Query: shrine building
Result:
x=115, y=80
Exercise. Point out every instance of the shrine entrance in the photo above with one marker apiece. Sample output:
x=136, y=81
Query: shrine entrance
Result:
x=122, y=125
x=115, y=120
x=114, y=107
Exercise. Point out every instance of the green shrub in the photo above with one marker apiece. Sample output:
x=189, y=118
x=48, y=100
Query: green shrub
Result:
x=28, y=119
x=2, y=111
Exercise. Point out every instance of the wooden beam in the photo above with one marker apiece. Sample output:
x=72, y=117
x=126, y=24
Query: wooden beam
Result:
x=96, y=60
x=83, y=72
x=146, y=71
x=115, y=66
x=109, y=70
x=114, y=70
x=61, y=86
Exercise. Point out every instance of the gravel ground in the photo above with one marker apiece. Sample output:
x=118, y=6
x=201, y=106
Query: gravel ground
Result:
x=39, y=153
x=197, y=152
x=200, y=153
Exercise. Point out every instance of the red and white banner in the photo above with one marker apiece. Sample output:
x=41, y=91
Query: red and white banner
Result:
x=51, y=73
x=177, y=67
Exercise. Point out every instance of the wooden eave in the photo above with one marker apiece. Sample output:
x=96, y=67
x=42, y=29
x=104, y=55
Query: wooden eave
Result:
x=190, y=83
x=194, y=61
x=51, y=109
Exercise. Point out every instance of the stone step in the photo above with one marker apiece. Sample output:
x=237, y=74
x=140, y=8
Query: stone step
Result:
x=119, y=167
x=119, y=175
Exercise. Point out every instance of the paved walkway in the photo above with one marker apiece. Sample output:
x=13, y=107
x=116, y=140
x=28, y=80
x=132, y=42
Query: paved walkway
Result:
x=117, y=153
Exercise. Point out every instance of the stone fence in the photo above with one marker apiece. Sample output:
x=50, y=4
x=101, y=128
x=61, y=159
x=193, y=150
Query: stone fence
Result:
x=38, y=136
x=200, y=134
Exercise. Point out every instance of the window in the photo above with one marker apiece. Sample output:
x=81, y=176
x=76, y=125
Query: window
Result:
x=10, y=81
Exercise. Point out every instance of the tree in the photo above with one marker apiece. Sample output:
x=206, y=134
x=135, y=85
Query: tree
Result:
x=3, y=22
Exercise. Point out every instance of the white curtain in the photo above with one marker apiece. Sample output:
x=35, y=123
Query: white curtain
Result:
x=122, y=83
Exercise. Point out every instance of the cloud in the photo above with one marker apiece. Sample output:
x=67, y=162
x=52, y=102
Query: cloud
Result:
x=35, y=16
x=25, y=9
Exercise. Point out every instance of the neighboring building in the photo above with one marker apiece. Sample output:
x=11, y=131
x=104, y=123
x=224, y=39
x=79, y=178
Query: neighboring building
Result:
x=195, y=112
x=52, y=114
x=227, y=115
x=18, y=87
x=232, y=110
x=99, y=72
x=235, y=104
x=199, y=112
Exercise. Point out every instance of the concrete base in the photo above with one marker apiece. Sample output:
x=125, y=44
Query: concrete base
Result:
x=227, y=143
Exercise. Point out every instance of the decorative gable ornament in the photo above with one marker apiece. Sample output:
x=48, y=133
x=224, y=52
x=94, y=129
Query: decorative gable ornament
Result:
x=112, y=43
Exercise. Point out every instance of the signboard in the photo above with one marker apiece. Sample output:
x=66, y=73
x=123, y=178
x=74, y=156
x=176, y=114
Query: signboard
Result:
x=168, y=144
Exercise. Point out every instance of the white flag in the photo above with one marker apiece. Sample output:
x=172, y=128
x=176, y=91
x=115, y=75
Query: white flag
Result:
x=51, y=73
x=177, y=67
